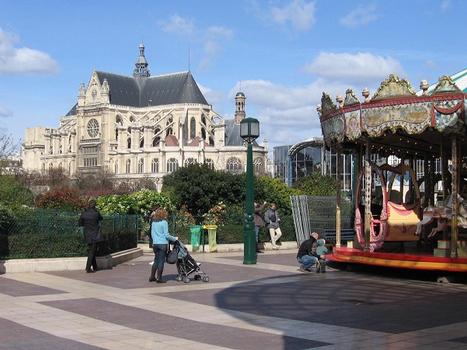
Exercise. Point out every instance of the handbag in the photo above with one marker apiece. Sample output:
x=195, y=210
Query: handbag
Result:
x=172, y=255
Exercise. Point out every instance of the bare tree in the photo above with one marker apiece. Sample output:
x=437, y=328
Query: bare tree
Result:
x=8, y=147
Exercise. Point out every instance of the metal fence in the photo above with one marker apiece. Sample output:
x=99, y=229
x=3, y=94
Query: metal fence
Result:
x=317, y=213
x=54, y=233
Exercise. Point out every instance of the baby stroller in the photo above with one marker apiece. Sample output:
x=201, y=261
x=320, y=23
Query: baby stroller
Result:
x=187, y=266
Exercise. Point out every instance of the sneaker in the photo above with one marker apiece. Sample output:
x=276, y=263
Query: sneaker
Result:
x=318, y=267
x=161, y=281
x=301, y=268
x=275, y=247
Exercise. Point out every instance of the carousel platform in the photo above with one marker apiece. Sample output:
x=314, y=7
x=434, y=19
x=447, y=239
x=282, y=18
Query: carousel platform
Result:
x=412, y=261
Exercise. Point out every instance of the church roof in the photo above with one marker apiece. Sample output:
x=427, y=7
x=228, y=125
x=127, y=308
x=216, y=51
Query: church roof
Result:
x=152, y=91
x=232, y=134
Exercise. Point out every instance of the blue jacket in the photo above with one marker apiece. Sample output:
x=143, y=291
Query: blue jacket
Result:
x=160, y=232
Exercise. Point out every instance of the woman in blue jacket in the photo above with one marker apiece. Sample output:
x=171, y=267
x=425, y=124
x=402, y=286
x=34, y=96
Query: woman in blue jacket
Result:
x=160, y=238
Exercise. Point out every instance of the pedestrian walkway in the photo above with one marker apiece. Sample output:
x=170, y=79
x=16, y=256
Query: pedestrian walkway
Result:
x=270, y=305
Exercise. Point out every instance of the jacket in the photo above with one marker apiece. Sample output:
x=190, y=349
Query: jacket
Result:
x=258, y=217
x=271, y=217
x=90, y=221
x=160, y=232
x=308, y=247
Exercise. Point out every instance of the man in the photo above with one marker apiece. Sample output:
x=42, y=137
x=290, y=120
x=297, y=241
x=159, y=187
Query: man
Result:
x=89, y=221
x=272, y=220
x=307, y=256
x=259, y=222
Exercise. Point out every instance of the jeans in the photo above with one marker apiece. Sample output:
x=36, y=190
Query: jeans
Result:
x=275, y=234
x=307, y=261
x=160, y=251
x=257, y=233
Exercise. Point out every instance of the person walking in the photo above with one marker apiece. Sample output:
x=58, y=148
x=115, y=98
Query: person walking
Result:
x=89, y=221
x=160, y=239
x=272, y=220
x=259, y=222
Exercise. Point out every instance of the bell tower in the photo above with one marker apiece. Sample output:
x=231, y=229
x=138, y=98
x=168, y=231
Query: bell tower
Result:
x=141, y=66
x=239, y=107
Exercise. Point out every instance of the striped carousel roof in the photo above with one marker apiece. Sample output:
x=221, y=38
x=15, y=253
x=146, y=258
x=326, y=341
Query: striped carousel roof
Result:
x=460, y=79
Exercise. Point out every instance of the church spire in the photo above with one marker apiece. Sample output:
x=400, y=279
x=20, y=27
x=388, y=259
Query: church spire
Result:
x=141, y=65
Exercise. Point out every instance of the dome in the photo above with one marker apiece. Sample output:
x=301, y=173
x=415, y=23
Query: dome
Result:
x=240, y=94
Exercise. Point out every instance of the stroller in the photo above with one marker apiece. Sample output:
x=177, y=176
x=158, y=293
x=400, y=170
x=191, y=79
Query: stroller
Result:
x=187, y=265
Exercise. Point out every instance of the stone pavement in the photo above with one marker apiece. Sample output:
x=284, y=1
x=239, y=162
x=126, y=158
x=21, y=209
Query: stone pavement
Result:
x=270, y=305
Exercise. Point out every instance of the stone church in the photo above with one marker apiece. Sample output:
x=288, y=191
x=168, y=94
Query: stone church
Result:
x=141, y=126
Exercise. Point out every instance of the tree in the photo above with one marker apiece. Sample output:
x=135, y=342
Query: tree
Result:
x=8, y=147
x=317, y=185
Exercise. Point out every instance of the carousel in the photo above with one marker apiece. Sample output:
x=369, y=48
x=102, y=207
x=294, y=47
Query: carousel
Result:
x=409, y=194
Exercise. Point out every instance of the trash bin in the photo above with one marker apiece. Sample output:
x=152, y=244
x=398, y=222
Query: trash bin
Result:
x=195, y=231
x=212, y=237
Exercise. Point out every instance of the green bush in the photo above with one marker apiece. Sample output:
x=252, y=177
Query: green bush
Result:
x=275, y=191
x=317, y=185
x=13, y=194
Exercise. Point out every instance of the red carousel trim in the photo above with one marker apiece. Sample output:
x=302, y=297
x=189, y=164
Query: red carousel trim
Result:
x=449, y=110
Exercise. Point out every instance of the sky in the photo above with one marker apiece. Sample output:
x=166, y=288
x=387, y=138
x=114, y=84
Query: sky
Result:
x=281, y=54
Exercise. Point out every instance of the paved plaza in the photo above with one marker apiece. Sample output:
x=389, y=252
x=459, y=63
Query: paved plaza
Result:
x=270, y=305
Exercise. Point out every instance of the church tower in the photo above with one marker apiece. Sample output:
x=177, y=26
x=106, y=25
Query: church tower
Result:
x=141, y=66
x=239, y=107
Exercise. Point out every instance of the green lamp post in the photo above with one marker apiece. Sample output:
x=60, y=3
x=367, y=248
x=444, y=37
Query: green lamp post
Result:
x=249, y=131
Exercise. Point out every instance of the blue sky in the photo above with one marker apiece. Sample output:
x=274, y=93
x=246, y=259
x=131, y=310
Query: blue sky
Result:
x=283, y=54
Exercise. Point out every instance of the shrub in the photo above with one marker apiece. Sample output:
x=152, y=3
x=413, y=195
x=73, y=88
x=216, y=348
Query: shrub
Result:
x=317, y=185
x=275, y=191
x=64, y=198
x=13, y=194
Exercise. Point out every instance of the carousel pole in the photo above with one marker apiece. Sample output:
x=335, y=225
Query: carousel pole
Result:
x=367, y=197
x=431, y=183
x=427, y=182
x=444, y=168
x=338, y=196
x=455, y=200
x=401, y=184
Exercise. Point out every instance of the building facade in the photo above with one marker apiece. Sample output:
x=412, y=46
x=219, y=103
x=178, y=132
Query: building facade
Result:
x=141, y=126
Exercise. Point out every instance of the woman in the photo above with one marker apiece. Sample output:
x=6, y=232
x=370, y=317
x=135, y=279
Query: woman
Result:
x=259, y=222
x=160, y=239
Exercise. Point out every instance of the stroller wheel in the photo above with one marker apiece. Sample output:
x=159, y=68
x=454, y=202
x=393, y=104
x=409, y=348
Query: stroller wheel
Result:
x=186, y=280
x=179, y=278
x=197, y=277
x=205, y=278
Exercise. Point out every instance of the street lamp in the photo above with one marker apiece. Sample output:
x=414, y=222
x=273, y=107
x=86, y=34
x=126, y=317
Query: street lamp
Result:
x=249, y=131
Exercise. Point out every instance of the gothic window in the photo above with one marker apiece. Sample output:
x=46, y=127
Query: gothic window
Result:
x=116, y=134
x=234, y=165
x=69, y=143
x=51, y=148
x=209, y=163
x=119, y=120
x=169, y=132
x=60, y=148
x=172, y=165
x=203, y=133
x=141, y=143
x=155, y=166
x=203, y=119
x=157, y=139
x=93, y=127
x=170, y=120
x=190, y=161
x=211, y=141
x=128, y=142
x=141, y=166
x=132, y=119
x=192, y=128
x=128, y=166
x=258, y=166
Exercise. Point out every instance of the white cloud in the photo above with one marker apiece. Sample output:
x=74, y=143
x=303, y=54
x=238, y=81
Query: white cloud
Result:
x=355, y=68
x=210, y=38
x=23, y=59
x=360, y=16
x=213, y=97
x=178, y=25
x=445, y=5
x=300, y=14
x=5, y=112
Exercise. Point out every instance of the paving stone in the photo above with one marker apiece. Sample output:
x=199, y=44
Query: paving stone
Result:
x=19, y=289
x=149, y=321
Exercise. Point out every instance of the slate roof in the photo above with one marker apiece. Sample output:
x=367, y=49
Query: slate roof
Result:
x=152, y=91
x=232, y=134
x=72, y=111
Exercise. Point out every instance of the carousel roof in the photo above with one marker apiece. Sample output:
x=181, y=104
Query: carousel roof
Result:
x=397, y=119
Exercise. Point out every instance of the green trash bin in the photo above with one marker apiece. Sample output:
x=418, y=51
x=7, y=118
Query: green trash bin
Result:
x=195, y=231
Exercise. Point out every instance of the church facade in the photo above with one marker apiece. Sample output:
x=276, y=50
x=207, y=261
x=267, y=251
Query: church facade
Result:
x=141, y=126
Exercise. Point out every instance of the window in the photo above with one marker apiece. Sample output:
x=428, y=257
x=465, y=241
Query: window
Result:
x=172, y=165
x=128, y=142
x=169, y=132
x=90, y=162
x=157, y=139
x=155, y=166
x=203, y=119
x=93, y=127
x=211, y=141
x=141, y=143
x=258, y=166
x=128, y=166
x=203, y=133
x=141, y=166
x=192, y=128
x=190, y=161
x=234, y=165
x=209, y=163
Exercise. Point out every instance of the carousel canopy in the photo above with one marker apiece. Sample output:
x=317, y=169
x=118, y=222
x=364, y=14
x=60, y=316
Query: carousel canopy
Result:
x=396, y=120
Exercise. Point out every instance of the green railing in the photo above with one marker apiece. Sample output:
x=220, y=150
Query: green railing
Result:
x=53, y=233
